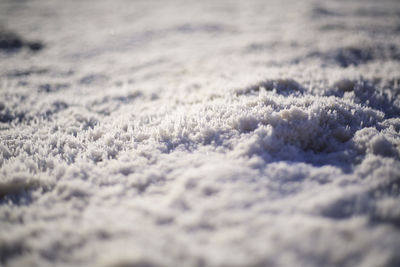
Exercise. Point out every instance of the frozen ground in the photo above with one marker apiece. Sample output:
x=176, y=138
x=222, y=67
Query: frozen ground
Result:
x=201, y=133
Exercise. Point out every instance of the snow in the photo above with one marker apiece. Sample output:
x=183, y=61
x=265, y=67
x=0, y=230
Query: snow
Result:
x=199, y=133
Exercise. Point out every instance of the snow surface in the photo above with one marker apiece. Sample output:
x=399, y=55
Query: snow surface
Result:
x=201, y=133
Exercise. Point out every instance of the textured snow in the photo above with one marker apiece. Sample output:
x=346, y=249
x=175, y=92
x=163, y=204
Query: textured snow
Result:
x=199, y=133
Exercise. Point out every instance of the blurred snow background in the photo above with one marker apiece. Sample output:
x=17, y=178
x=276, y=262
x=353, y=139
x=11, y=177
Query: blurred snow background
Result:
x=199, y=133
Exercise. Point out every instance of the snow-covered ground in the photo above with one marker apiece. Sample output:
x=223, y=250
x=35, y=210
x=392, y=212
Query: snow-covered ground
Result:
x=199, y=133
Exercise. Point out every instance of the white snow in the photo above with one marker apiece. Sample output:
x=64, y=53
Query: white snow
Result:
x=200, y=133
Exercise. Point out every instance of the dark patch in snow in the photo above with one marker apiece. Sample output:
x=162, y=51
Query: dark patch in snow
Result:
x=354, y=56
x=18, y=194
x=12, y=250
x=7, y=116
x=346, y=207
x=333, y=27
x=322, y=12
x=26, y=72
x=56, y=107
x=10, y=42
x=127, y=98
x=93, y=79
x=281, y=86
x=50, y=88
x=258, y=47
x=207, y=28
